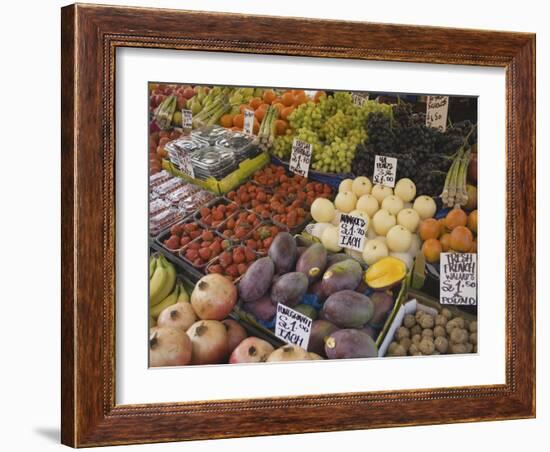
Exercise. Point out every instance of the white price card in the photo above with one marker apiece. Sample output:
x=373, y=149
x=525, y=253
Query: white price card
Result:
x=292, y=326
x=385, y=170
x=352, y=232
x=437, y=108
x=359, y=98
x=458, y=278
x=186, y=119
x=185, y=165
x=300, y=158
x=248, y=122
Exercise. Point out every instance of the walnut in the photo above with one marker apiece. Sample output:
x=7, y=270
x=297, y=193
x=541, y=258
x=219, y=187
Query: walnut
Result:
x=392, y=347
x=447, y=313
x=409, y=321
x=416, y=339
x=414, y=350
x=440, y=320
x=418, y=315
x=460, y=322
x=451, y=325
x=473, y=326
x=439, y=331
x=458, y=348
x=473, y=338
x=417, y=329
x=427, y=321
x=426, y=346
x=459, y=336
x=428, y=333
x=401, y=333
x=405, y=343
x=441, y=344
x=469, y=347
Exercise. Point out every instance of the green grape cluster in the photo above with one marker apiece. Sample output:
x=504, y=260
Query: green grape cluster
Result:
x=334, y=126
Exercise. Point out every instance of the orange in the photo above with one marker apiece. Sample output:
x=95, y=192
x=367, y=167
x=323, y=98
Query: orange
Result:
x=255, y=102
x=472, y=221
x=456, y=217
x=461, y=239
x=431, y=250
x=256, y=127
x=288, y=99
x=285, y=113
x=226, y=121
x=238, y=120
x=300, y=99
x=260, y=113
x=429, y=229
x=318, y=95
x=244, y=107
x=445, y=241
x=269, y=96
x=280, y=126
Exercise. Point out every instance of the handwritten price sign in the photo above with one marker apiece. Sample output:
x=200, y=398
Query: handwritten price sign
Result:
x=352, y=232
x=185, y=164
x=385, y=170
x=292, y=326
x=300, y=158
x=437, y=108
x=359, y=98
x=458, y=278
x=248, y=122
x=187, y=119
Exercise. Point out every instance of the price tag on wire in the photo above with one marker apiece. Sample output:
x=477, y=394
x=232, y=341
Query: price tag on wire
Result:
x=300, y=157
x=186, y=119
x=292, y=326
x=385, y=170
x=437, y=108
x=352, y=232
x=458, y=278
x=359, y=98
x=185, y=164
x=248, y=127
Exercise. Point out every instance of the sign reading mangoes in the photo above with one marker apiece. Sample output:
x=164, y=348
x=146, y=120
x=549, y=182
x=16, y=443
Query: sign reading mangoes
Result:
x=187, y=119
x=292, y=326
x=458, y=278
x=352, y=232
x=248, y=127
x=300, y=157
x=437, y=108
x=385, y=170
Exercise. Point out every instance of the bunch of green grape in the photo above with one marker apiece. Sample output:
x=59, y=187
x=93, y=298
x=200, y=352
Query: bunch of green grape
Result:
x=306, y=116
x=282, y=145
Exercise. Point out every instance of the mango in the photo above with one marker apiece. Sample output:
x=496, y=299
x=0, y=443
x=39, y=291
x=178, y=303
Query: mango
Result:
x=313, y=262
x=335, y=258
x=289, y=289
x=317, y=289
x=348, y=309
x=320, y=330
x=341, y=276
x=350, y=343
x=262, y=309
x=284, y=252
x=257, y=279
x=385, y=273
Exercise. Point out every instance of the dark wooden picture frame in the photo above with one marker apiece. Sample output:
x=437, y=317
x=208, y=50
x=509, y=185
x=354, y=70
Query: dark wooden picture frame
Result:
x=90, y=36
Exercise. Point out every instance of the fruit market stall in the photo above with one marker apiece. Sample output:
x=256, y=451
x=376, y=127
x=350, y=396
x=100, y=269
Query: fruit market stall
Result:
x=307, y=225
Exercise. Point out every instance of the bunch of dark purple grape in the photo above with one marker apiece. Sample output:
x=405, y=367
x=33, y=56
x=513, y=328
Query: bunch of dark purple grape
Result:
x=424, y=154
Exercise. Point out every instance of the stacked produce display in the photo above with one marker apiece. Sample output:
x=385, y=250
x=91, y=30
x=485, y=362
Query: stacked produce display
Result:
x=249, y=258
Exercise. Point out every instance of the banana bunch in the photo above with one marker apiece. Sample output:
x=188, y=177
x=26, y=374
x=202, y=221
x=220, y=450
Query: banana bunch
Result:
x=164, y=288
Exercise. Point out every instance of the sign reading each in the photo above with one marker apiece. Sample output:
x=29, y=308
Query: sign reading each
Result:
x=248, y=122
x=437, y=108
x=292, y=326
x=186, y=167
x=300, y=157
x=186, y=119
x=385, y=170
x=458, y=278
x=359, y=98
x=352, y=232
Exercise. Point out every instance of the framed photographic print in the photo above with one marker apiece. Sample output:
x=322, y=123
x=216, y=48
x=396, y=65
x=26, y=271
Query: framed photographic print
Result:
x=272, y=225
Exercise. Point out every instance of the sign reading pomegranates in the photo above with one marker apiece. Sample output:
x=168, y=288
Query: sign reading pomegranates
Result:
x=292, y=326
x=458, y=278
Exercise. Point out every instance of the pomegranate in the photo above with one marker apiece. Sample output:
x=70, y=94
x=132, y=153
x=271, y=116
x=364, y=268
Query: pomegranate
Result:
x=235, y=334
x=289, y=353
x=251, y=350
x=179, y=315
x=209, y=339
x=169, y=347
x=214, y=297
